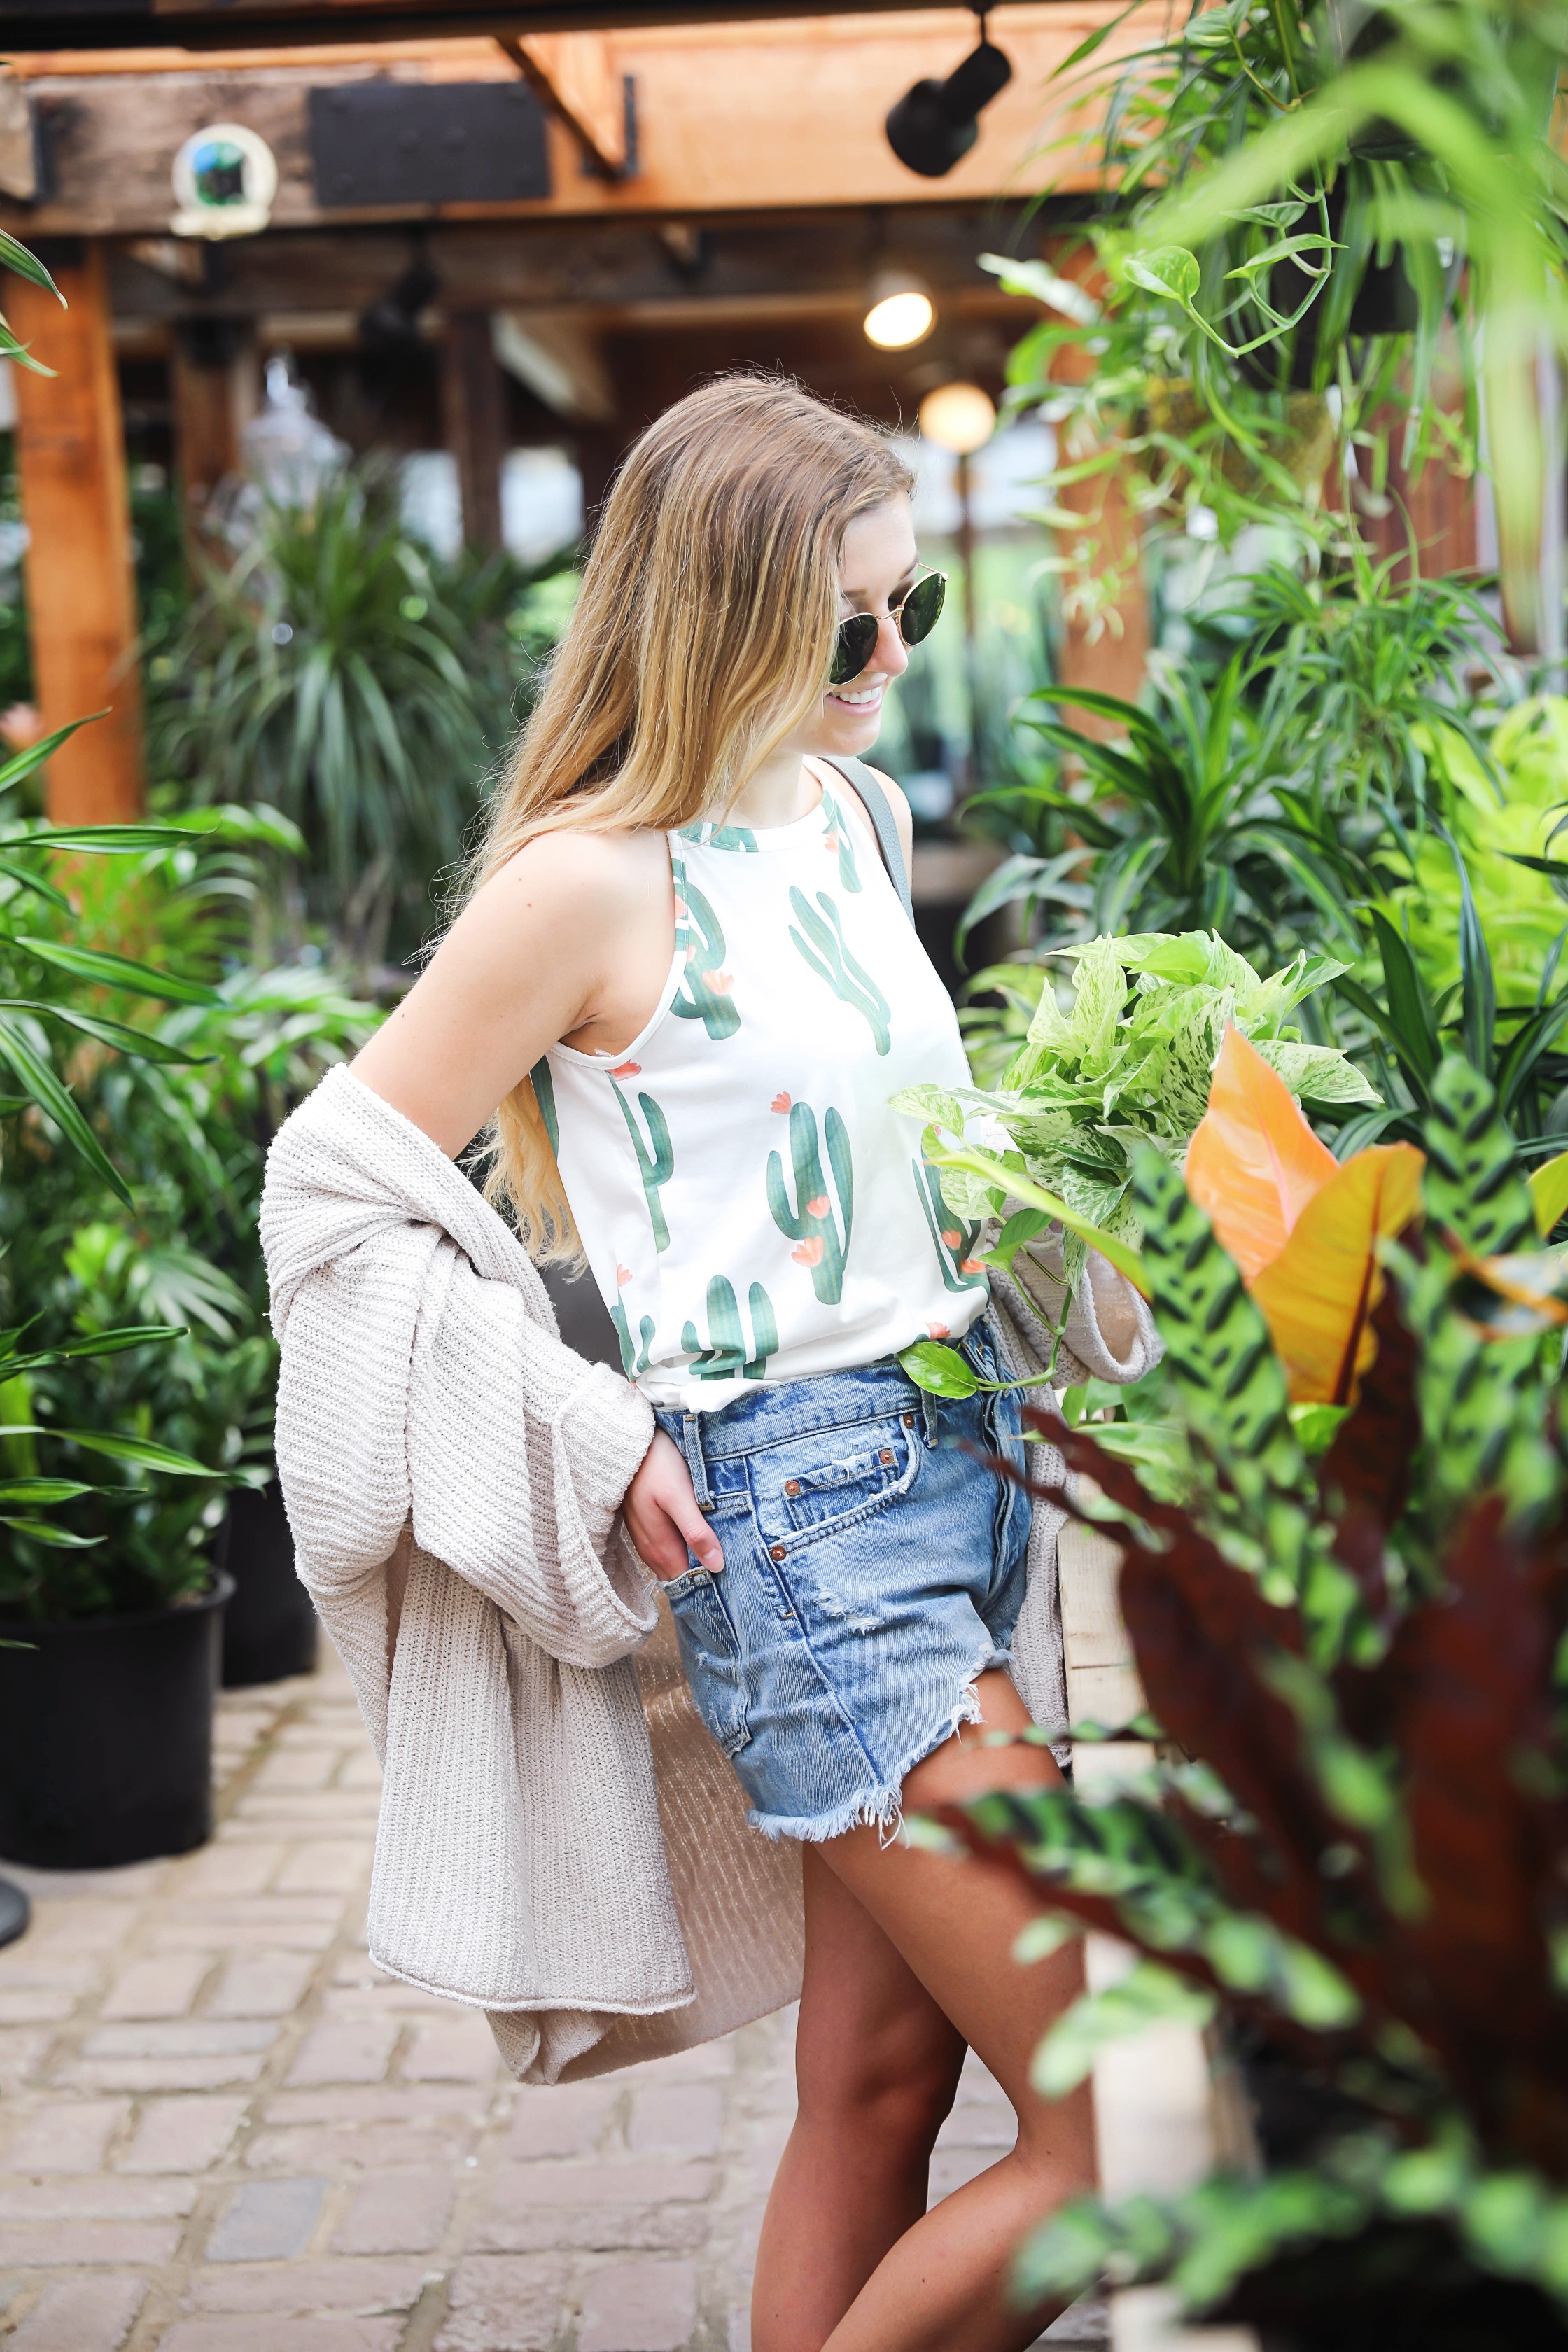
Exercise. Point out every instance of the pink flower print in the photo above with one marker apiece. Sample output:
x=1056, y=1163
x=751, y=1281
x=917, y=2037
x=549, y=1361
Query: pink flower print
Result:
x=830, y=842
x=808, y=1253
x=952, y=1236
x=817, y=1208
x=781, y=1102
x=973, y=1265
x=627, y=1070
x=933, y=1330
x=622, y=1276
x=720, y=983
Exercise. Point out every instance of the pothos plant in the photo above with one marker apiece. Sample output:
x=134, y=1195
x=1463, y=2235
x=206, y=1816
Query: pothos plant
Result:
x=1352, y=1642
x=1127, y=1066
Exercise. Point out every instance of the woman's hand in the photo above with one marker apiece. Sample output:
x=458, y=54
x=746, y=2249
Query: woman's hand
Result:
x=662, y=1517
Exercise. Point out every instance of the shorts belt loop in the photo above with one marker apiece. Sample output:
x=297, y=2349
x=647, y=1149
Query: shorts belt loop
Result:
x=695, y=1462
x=928, y=1416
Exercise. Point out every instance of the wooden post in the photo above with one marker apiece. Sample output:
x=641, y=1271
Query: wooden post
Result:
x=80, y=582
x=1107, y=655
x=214, y=389
x=473, y=405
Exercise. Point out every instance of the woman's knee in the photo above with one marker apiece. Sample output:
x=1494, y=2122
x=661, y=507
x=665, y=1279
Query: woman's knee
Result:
x=896, y=2082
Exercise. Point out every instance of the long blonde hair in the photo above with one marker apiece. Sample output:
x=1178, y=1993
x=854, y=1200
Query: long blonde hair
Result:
x=700, y=640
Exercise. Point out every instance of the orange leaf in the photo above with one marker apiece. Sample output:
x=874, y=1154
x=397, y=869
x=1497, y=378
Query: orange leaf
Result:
x=1253, y=1163
x=1318, y=1295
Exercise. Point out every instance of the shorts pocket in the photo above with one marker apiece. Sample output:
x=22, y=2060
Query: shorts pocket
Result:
x=710, y=1652
x=819, y=1482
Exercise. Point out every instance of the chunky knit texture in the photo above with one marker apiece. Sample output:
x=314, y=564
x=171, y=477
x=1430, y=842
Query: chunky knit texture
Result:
x=561, y=1843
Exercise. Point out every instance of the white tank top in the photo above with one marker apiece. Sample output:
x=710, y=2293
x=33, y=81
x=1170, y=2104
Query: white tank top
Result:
x=751, y=1208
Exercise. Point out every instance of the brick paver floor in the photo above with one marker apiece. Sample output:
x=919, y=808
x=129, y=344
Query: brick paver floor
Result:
x=222, y=2131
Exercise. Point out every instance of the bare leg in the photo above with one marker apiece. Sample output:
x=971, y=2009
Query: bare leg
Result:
x=943, y=2286
x=877, y=2064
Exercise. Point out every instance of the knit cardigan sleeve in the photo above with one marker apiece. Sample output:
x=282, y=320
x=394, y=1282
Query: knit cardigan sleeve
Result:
x=422, y=1384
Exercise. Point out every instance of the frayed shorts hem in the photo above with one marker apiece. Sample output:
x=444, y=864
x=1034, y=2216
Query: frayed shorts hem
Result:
x=882, y=1809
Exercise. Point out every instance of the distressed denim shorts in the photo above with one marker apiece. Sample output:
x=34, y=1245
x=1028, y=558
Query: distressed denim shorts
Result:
x=873, y=1567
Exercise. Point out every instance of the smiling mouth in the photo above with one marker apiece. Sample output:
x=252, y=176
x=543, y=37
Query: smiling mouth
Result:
x=866, y=700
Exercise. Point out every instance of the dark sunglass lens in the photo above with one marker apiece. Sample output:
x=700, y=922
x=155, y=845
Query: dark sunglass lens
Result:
x=922, y=609
x=853, y=646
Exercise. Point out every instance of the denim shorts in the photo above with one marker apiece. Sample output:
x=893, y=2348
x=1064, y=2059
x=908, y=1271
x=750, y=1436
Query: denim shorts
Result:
x=873, y=1567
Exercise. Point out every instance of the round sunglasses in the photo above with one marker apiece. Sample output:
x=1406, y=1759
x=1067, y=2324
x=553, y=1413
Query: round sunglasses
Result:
x=917, y=616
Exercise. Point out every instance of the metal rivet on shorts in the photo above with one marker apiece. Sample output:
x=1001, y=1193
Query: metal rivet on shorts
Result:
x=775, y=1551
x=885, y=1454
x=909, y=1421
x=791, y=1486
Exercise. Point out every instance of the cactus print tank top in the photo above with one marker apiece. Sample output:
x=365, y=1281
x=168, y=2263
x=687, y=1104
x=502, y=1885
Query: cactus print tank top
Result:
x=751, y=1207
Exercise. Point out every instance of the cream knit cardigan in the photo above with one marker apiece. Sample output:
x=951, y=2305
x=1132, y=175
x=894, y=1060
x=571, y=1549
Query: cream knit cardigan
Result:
x=560, y=1843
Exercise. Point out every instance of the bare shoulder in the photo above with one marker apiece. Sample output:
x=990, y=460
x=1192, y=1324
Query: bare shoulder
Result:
x=572, y=874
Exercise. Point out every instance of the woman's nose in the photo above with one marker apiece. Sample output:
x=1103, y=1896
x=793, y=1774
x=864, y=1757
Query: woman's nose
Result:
x=891, y=656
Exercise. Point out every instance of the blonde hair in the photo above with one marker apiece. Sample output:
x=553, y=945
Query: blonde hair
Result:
x=700, y=640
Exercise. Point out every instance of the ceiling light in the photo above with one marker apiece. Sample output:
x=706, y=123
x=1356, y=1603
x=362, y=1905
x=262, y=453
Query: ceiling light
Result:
x=936, y=123
x=959, y=417
x=900, y=310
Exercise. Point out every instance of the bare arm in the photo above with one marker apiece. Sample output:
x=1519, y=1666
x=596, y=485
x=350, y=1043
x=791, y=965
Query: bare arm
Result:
x=527, y=962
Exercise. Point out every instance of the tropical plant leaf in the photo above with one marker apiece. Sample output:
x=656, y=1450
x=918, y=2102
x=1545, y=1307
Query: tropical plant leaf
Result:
x=1473, y=1185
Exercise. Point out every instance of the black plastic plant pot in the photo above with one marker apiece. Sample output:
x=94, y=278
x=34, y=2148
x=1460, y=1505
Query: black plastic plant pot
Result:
x=106, y=1736
x=269, y=1627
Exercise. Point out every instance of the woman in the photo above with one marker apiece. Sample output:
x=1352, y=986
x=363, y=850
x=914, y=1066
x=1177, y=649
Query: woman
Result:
x=683, y=988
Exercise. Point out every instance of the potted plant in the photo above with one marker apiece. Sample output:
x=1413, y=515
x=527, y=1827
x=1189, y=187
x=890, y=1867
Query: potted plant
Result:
x=107, y=1676
x=336, y=670
x=1345, y=1578
x=239, y=1046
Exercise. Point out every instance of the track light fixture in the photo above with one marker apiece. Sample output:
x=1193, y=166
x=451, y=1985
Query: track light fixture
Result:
x=899, y=310
x=937, y=122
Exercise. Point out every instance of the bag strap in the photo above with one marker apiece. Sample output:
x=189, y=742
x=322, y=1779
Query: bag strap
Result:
x=880, y=809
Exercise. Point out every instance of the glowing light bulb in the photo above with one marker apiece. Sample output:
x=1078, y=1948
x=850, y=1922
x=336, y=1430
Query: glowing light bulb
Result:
x=901, y=311
x=959, y=417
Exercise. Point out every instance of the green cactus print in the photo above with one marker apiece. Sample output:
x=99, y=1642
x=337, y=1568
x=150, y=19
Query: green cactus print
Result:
x=723, y=837
x=819, y=1244
x=635, y=1360
x=545, y=1096
x=832, y=961
x=836, y=833
x=955, y=1238
x=725, y=1358
x=704, y=992
x=656, y=1159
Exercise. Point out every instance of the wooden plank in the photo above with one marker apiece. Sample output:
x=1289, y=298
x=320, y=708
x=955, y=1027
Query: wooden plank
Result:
x=215, y=387
x=750, y=267
x=231, y=25
x=80, y=585
x=727, y=117
x=576, y=73
x=473, y=409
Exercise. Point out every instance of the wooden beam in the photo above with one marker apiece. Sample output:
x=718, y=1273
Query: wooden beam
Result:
x=725, y=116
x=803, y=261
x=230, y=25
x=81, y=584
x=473, y=408
x=576, y=74
x=214, y=389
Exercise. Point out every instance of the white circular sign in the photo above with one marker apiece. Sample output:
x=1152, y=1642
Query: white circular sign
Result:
x=225, y=180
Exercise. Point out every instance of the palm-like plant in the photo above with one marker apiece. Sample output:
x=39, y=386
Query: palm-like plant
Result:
x=50, y=985
x=334, y=671
x=172, y=1248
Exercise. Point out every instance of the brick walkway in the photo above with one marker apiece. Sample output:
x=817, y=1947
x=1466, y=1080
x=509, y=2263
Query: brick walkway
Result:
x=221, y=2130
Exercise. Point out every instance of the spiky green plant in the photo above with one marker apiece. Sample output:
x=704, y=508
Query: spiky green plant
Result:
x=1356, y=1848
